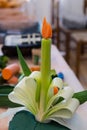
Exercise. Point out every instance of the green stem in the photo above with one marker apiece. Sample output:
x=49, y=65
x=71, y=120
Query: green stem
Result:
x=45, y=71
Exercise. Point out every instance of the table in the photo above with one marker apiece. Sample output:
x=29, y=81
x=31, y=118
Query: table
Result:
x=57, y=62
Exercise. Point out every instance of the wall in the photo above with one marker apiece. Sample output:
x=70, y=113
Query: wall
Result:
x=43, y=9
x=40, y=8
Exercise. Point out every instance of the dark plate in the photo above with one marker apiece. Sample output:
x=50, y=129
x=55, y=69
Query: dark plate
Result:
x=25, y=49
x=6, y=88
x=4, y=100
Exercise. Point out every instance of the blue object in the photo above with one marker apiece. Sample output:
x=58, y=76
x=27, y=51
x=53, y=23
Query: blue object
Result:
x=60, y=75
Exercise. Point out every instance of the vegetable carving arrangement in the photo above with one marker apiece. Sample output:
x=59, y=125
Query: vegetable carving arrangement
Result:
x=42, y=92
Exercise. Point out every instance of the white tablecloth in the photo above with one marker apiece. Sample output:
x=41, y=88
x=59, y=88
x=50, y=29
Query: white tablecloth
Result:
x=79, y=120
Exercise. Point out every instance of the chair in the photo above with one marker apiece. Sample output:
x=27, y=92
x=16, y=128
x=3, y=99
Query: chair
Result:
x=67, y=32
x=69, y=35
x=55, y=22
x=80, y=39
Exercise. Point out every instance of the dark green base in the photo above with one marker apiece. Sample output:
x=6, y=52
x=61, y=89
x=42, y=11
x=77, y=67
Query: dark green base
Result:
x=24, y=120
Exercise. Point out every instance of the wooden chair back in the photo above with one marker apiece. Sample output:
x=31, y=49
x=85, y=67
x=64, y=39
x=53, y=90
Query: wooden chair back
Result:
x=55, y=20
x=54, y=10
x=85, y=6
x=55, y=17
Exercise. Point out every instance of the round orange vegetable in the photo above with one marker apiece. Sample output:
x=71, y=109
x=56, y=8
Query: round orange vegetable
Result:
x=13, y=80
x=35, y=68
x=10, y=70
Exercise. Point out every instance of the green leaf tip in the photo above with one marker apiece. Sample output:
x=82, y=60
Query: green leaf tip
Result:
x=81, y=96
x=23, y=64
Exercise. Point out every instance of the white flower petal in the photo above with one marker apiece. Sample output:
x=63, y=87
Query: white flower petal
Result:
x=66, y=93
x=25, y=94
x=57, y=82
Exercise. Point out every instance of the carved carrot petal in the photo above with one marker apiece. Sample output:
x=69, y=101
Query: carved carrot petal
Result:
x=46, y=29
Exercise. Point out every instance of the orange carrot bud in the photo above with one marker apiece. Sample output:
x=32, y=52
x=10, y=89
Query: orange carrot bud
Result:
x=55, y=90
x=46, y=29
